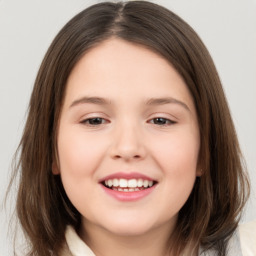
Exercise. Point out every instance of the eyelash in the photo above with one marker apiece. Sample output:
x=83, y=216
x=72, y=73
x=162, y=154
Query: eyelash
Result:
x=89, y=121
x=163, y=121
x=99, y=121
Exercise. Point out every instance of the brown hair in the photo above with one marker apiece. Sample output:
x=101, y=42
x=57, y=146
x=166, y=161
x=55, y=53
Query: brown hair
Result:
x=210, y=215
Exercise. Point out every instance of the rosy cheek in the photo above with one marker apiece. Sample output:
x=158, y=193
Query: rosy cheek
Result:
x=78, y=153
x=71, y=153
x=178, y=154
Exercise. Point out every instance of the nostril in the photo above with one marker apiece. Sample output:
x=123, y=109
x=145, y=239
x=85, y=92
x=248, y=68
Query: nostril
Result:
x=127, y=157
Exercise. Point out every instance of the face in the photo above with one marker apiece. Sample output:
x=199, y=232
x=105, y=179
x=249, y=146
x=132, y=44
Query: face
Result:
x=128, y=139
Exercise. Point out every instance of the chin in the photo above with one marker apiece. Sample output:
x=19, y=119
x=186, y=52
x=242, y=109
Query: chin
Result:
x=130, y=227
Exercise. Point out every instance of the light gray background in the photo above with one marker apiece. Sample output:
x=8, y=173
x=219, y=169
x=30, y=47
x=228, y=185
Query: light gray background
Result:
x=227, y=27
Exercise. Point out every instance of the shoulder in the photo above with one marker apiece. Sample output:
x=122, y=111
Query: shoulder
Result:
x=65, y=251
x=74, y=245
x=242, y=242
x=247, y=234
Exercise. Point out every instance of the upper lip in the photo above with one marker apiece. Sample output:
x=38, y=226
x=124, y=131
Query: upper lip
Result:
x=126, y=175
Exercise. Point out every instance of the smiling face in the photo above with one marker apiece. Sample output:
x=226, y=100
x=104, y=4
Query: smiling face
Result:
x=128, y=140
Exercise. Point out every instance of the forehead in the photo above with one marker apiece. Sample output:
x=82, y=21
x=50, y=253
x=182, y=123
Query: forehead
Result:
x=116, y=69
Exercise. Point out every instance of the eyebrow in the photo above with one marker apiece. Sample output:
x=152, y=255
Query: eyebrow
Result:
x=167, y=100
x=149, y=102
x=91, y=100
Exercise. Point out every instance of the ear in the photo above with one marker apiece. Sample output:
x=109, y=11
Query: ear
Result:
x=200, y=168
x=55, y=169
x=199, y=172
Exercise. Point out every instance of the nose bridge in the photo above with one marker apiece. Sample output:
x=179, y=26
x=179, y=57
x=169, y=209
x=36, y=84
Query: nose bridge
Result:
x=128, y=140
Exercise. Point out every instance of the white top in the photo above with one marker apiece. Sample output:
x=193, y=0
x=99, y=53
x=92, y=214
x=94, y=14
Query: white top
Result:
x=241, y=244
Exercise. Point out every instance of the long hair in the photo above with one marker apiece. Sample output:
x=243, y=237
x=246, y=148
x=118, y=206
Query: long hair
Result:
x=211, y=214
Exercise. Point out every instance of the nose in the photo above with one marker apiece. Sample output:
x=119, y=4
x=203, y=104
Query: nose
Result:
x=128, y=143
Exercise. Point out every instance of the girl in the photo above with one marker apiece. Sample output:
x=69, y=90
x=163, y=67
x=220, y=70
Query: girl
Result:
x=129, y=147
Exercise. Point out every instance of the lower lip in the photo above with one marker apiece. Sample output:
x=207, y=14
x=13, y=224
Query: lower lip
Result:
x=128, y=196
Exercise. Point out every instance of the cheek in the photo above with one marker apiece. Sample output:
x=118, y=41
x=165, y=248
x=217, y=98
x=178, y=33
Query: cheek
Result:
x=177, y=156
x=79, y=155
x=79, y=158
x=177, y=153
x=178, y=162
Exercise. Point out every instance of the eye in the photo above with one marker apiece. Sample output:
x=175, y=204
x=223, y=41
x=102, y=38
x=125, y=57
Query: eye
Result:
x=162, y=121
x=94, y=121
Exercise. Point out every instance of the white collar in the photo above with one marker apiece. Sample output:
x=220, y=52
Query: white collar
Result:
x=247, y=237
x=75, y=244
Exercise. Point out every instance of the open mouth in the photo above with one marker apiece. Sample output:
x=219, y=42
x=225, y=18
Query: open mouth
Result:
x=128, y=185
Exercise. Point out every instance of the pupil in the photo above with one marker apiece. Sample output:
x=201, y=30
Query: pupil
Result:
x=160, y=120
x=96, y=120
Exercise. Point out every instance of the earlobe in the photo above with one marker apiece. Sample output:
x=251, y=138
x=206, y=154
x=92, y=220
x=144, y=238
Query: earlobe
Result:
x=55, y=169
x=199, y=172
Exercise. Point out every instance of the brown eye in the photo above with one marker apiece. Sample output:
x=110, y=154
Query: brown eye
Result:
x=94, y=121
x=161, y=121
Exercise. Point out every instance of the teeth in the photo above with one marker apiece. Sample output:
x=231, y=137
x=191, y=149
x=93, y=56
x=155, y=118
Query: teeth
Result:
x=140, y=183
x=145, y=183
x=132, y=183
x=122, y=183
x=128, y=185
x=110, y=183
x=115, y=182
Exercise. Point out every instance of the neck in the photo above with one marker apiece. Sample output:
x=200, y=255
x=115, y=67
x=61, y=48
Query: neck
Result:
x=105, y=243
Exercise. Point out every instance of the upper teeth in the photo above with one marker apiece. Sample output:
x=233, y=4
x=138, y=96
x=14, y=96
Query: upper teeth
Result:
x=132, y=183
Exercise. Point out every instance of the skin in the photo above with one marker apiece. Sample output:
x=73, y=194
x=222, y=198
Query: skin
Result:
x=128, y=138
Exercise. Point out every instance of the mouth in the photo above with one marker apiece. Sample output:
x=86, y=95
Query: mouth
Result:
x=128, y=185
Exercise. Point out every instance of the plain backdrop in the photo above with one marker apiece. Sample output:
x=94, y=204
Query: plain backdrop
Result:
x=227, y=27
